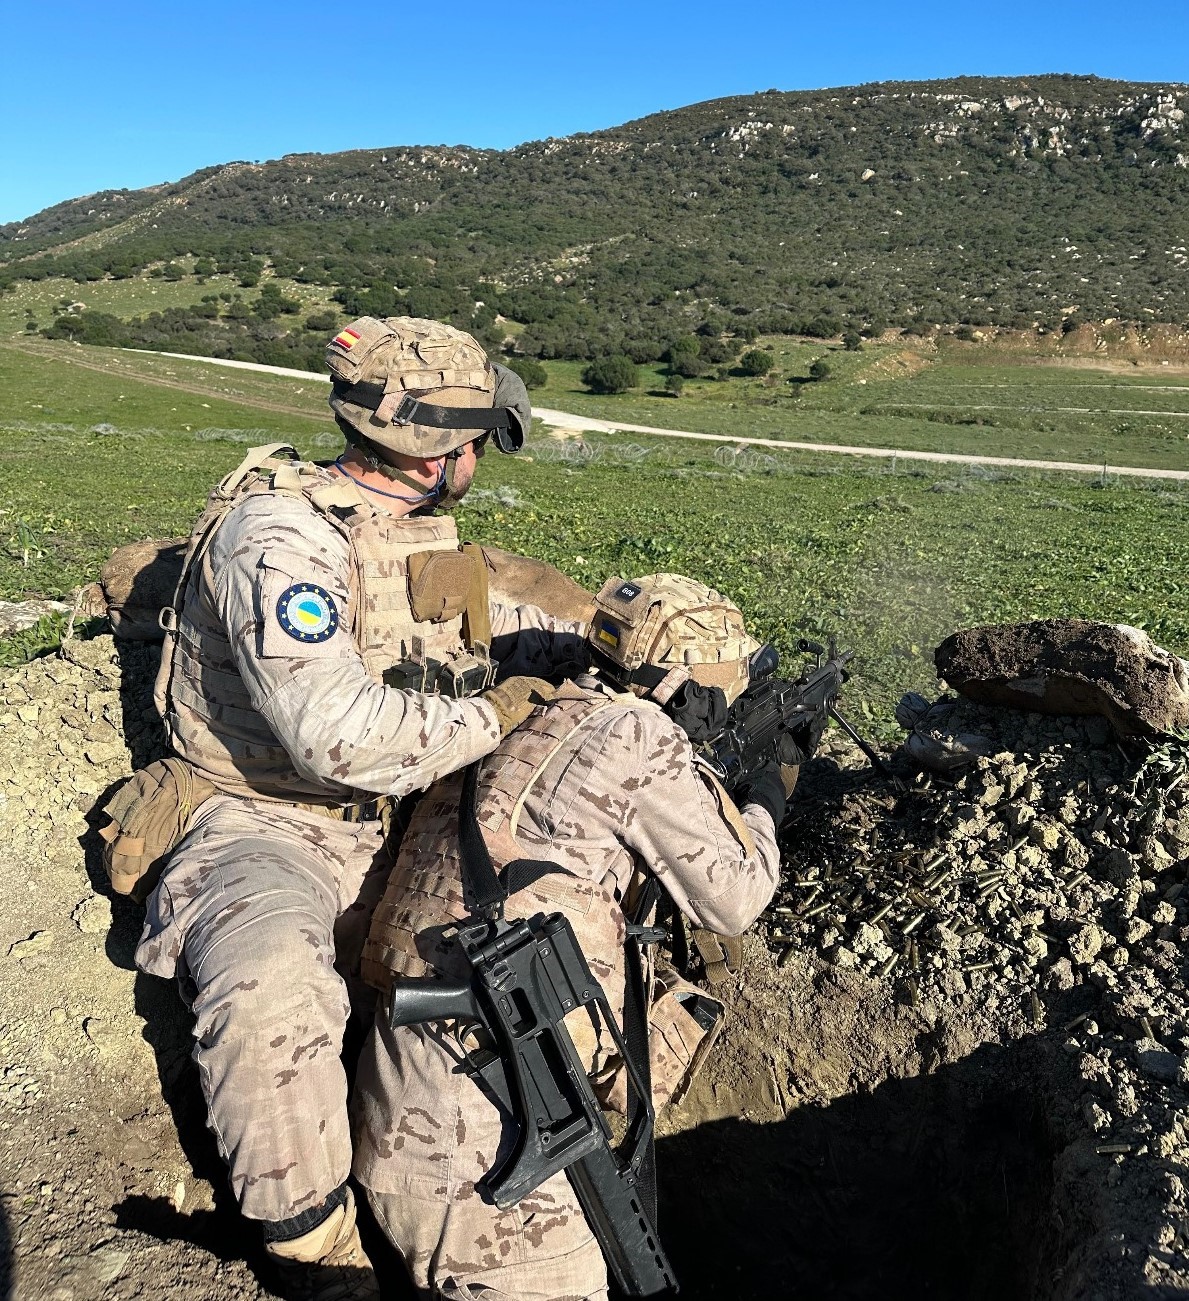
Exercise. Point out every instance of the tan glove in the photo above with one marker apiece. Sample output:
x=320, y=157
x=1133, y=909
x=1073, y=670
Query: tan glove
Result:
x=789, y=772
x=514, y=699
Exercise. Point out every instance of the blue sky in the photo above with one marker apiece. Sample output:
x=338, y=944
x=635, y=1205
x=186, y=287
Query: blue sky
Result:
x=94, y=96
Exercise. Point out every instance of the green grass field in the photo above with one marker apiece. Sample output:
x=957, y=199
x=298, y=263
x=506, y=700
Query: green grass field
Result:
x=946, y=396
x=891, y=562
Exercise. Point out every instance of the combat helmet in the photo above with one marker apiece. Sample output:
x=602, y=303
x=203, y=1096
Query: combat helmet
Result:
x=421, y=387
x=654, y=634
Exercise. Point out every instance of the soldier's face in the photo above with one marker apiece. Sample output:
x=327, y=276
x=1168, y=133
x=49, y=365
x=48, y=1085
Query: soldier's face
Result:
x=464, y=467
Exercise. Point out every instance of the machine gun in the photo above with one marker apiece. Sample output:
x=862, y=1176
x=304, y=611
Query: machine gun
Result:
x=525, y=978
x=776, y=720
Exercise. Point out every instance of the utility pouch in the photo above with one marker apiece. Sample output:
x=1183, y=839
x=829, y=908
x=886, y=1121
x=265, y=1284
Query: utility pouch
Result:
x=439, y=584
x=683, y=1024
x=146, y=818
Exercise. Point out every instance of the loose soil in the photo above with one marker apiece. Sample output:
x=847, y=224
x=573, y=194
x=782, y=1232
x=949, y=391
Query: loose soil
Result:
x=985, y=1103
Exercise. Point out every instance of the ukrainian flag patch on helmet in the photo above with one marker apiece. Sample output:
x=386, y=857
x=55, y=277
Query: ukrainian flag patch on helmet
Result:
x=308, y=613
x=607, y=632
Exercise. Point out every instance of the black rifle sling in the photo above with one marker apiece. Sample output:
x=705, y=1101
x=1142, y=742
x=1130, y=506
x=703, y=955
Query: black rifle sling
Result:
x=635, y=1034
x=485, y=892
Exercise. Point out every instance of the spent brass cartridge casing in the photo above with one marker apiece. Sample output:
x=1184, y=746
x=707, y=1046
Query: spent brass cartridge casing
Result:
x=786, y=955
x=911, y=926
x=813, y=912
x=879, y=915
x=979, y=966
x=1077, y=1020
x=1037, y=1010
x=1113, y=1149
x=887, y=966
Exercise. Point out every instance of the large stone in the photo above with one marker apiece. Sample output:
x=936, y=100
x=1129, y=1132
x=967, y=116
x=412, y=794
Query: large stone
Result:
x=1071, y=666
x=139, y=581
x=16, y=616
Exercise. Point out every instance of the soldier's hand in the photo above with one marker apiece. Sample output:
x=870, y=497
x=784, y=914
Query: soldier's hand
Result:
x=766, y=789
x=515, y=698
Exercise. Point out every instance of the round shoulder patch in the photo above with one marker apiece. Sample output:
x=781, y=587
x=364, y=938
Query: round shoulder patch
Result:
x=307, y=612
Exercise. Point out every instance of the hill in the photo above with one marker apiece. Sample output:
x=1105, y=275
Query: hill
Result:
x=1004, y=201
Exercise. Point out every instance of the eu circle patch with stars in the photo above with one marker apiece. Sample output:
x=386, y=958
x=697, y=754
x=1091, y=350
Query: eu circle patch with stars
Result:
x=307, y=612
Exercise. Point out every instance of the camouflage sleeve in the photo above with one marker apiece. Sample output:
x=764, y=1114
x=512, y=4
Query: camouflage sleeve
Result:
x=720, y=867
x=524, y=639
x=339, y=725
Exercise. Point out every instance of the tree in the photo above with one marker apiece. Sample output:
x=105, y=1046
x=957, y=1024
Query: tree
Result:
x=852, y=341
x=820, y=369
x=675, y=385
x=610, y=375
x=755, y=361
x=530, y=370
x=322, y=322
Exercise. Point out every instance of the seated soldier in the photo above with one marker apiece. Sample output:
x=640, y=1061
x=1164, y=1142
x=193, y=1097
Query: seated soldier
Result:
x=604, y=783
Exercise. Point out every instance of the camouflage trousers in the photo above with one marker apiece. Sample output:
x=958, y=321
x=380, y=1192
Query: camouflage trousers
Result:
x=424, y=1135
x=261, y=915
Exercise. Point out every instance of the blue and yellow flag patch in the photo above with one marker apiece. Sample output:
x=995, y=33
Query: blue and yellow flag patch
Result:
x=308, y=613
x=607, y=632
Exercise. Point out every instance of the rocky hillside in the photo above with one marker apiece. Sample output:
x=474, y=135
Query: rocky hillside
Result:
x=1001, y=200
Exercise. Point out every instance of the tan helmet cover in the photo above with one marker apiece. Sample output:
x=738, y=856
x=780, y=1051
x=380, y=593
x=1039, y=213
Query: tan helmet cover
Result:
x=675, y=623
x=404, y=354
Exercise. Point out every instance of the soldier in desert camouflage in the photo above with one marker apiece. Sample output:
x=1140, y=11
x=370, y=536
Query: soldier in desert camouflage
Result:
x=601, y=781
x=332, y=644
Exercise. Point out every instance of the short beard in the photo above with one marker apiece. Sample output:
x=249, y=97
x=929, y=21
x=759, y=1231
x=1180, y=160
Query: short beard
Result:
x=457, y=487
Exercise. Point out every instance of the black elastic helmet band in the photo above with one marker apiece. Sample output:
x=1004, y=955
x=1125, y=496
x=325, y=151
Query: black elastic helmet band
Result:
x=501, y=421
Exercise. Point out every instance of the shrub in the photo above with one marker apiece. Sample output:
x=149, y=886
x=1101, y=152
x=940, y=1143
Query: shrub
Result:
x=852, y=341
x=755, y=361
x=530, y=370
x=819, y=370
x=675, y=385
x=610, y=375
x=322, y=322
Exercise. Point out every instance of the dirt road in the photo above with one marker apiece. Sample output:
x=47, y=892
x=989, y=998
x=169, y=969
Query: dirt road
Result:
x=567, y=420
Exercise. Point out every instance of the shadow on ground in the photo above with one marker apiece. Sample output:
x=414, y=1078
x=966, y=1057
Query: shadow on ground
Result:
x=935, y=1186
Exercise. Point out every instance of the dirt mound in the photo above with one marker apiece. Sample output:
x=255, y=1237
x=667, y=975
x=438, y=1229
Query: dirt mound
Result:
x=1071, y=666
x=967, y=1043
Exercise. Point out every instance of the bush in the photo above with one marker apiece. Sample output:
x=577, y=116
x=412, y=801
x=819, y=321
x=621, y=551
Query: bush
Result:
x=610, y=375
x=675, y=385
x=530, y=370
x=755, y=361
x=322, y=322
x=852, y=341
x=819, y=370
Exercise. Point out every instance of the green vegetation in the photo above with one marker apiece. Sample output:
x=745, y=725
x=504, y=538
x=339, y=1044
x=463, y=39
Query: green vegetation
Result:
x=891, y=560
x=975, y=201
x=532, y=372
x=610, y=375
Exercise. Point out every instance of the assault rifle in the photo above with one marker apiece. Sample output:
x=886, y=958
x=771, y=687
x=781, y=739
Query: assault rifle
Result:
x=525, y=978
x=776, y=720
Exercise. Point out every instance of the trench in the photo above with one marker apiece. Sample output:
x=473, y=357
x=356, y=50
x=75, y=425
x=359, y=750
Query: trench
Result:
x=935, y=1185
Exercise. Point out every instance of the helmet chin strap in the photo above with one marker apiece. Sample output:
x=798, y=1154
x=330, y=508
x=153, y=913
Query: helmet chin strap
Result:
x=375, y=461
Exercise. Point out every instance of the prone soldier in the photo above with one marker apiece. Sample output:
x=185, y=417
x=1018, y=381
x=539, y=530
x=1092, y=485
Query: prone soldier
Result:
x=332, y=648
x=603, y=783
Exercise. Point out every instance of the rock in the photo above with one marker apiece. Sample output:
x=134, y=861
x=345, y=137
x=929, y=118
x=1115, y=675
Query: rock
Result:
x=16, y=616
x=35, y=943
x=93, y=915
x=1157, y=1062
x=1071, y=666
